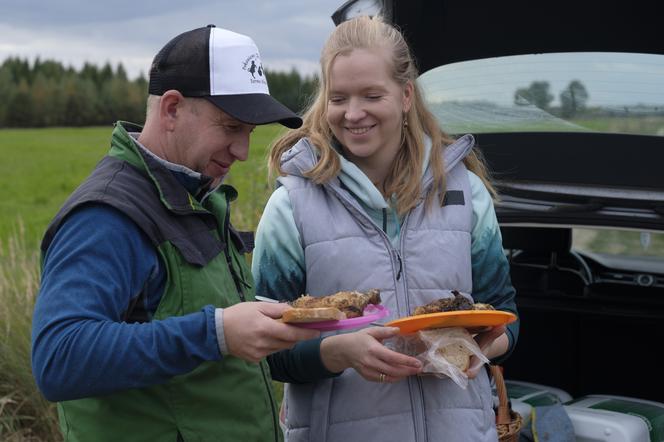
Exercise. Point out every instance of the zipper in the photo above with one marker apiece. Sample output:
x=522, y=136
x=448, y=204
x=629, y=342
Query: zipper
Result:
x=400, y=267
x=417, y=396
x=229, y=261
x=415, y=386
x=238, y=285
x=359, y=212
x=275, y=418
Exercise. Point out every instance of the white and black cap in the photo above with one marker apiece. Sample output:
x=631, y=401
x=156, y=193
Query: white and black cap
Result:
x=223, y=67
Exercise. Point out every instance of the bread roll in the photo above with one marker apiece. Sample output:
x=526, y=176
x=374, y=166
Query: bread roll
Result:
x=314, y=314
x=457, y=355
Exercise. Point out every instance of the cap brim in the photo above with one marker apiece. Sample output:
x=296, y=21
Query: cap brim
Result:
x=256, y=109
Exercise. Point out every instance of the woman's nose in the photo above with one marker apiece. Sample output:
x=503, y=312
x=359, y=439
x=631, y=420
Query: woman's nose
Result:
x=354, y=111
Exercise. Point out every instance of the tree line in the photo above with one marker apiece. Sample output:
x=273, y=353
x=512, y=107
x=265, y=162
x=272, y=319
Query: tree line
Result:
x=573, y=98
x=47, y=93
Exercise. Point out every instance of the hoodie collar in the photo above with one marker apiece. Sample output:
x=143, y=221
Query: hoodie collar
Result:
x=357, y=182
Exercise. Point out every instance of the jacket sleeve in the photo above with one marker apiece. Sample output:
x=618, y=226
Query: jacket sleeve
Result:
x=278, y=263
x=98, y=262
x=491, y=273
x=279, y=272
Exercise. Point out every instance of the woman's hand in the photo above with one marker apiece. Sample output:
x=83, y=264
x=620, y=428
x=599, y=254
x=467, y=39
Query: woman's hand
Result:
x=364, y=351
x=493, y=343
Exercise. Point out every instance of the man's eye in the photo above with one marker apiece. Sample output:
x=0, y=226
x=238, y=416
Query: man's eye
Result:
x=374, y=97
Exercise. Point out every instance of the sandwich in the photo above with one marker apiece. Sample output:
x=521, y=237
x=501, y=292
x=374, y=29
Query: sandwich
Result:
x=341, y=305
x=455, y=353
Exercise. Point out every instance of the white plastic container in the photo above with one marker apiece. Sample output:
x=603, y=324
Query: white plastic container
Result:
x=536, y=394
x=601, y=418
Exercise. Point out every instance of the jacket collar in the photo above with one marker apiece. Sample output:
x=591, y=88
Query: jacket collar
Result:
x=174, y=191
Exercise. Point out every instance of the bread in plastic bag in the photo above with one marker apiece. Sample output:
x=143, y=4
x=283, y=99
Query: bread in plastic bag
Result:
x=444, y=352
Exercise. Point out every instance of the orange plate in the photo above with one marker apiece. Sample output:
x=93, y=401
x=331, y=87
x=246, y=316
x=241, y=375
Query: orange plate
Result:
x=461, y=318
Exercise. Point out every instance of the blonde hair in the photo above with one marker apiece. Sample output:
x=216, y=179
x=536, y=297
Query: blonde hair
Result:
x=404, y=177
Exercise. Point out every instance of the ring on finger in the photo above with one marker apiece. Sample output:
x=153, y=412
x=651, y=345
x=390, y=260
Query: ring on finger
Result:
x=381, y=378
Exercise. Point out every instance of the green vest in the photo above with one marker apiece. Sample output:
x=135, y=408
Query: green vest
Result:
x=227, y=400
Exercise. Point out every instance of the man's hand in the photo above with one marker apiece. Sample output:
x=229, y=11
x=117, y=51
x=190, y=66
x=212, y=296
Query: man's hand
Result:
x=252, y=331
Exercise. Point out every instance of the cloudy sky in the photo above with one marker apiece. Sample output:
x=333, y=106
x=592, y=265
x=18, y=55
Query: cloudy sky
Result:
x=289, y=33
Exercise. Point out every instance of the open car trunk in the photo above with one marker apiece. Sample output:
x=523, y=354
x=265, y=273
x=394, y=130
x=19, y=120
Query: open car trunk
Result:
x=591, y=323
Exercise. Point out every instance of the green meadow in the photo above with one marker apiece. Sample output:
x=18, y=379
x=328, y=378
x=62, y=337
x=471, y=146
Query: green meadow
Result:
x=41, y=167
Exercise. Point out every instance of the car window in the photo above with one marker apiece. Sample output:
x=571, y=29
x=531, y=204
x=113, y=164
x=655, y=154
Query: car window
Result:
x=603, y=92
x=619, y=242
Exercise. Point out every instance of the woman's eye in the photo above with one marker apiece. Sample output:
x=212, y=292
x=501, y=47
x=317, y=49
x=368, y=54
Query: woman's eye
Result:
x=336, y=100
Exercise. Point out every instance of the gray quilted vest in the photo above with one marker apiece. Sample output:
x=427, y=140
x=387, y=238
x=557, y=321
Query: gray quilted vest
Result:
x=345, y=250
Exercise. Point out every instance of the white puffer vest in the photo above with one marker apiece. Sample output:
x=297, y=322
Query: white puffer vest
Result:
x=345, y=250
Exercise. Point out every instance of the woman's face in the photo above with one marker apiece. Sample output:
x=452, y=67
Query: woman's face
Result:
x=366, y=107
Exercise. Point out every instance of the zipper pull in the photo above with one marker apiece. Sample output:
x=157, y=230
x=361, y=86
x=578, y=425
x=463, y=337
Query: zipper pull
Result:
x=400, y=266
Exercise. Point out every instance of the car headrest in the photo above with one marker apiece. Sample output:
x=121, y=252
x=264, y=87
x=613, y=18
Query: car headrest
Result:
x=538, y=239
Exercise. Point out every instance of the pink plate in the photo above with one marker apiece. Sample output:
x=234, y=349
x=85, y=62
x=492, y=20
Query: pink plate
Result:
x=371, y=314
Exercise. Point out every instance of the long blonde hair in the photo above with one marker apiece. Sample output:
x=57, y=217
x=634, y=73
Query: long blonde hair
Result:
x=404, y=177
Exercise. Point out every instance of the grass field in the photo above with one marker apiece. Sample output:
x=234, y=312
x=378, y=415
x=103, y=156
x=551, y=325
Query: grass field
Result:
x=41, y=167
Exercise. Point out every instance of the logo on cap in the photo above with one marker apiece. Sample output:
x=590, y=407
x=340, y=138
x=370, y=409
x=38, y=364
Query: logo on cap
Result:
x=252, y=64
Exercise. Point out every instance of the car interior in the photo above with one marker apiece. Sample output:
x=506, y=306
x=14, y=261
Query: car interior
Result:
x=588, y=325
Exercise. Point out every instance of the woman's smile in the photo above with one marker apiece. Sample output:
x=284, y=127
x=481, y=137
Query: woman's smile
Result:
x=360, y=130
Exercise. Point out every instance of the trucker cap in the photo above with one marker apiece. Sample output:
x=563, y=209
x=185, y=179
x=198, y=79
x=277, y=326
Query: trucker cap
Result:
x=223, y=67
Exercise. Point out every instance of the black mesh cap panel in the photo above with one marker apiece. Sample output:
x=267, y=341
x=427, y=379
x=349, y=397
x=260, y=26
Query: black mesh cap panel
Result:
x=183, y=64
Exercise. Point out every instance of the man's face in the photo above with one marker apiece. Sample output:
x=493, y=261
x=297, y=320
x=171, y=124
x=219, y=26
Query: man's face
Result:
x=208, y=140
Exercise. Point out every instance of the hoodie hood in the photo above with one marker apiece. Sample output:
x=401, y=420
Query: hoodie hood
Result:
x=351, y=180
x=303, y=156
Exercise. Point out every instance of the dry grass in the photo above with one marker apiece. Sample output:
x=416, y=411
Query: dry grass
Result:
x=24, y=414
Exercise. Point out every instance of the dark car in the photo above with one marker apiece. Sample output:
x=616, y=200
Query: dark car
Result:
x=566, y=102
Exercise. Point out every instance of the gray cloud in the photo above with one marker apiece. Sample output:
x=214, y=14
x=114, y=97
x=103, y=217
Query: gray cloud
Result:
x=289, y=33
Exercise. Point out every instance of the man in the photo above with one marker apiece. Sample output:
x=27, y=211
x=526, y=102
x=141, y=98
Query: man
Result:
x=140, y=330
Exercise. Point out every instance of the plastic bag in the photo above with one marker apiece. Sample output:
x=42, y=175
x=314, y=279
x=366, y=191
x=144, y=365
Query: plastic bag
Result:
x=444, y=352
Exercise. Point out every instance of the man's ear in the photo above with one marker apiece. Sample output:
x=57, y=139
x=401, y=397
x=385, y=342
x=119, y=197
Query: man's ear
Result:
x=170, y=106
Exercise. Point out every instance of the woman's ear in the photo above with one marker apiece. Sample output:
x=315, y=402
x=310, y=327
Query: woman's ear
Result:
x=408, y=93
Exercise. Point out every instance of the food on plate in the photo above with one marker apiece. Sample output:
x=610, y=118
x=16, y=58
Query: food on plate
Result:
x=341, y=305
x=455, y=353
x=480, y=306
x=313, y=314
x=458, y=302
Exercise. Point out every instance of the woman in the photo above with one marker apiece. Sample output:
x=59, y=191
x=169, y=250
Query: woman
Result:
x=373, y=194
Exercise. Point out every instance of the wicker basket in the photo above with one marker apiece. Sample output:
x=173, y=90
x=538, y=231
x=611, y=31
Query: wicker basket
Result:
x=508, y=422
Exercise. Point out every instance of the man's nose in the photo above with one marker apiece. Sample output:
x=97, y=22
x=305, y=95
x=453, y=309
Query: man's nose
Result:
x=240, y=148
